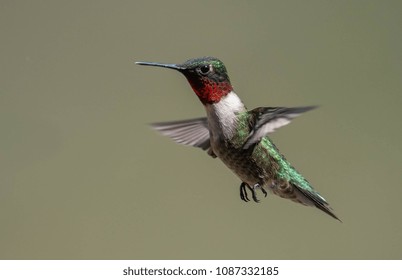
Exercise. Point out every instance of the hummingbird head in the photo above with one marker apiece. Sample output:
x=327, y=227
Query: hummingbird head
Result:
x=207, y=76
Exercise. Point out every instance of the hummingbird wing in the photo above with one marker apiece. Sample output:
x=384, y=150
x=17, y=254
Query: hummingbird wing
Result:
x=265, y=120
x=194, y=132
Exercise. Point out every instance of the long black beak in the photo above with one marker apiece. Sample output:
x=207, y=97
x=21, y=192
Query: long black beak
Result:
x=171, y=66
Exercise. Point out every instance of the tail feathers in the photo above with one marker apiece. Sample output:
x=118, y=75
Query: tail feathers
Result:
x=318, y=201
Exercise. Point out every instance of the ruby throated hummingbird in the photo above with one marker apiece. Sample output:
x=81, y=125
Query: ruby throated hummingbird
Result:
x=239, y=137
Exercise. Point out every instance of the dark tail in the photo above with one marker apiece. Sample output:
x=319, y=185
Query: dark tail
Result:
x=318, y=202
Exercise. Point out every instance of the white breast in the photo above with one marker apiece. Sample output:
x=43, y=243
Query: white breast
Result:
x=222, y=117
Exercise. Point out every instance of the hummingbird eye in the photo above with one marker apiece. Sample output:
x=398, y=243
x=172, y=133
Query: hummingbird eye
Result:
x=205, y=69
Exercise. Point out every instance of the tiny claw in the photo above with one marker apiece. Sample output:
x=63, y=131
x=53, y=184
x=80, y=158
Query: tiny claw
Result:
x=252, y=189
x=264, y=192
x=243, y=192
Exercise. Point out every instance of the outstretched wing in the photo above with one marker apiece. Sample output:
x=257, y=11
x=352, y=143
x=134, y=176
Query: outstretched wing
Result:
x=268, y=119
x=192, y=132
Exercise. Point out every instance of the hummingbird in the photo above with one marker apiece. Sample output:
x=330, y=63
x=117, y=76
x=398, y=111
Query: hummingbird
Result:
x=239, y=137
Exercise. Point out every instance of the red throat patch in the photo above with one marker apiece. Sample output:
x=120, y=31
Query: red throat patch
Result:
x=211, y=91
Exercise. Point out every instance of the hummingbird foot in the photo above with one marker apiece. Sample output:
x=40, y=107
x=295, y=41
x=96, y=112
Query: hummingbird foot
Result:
x=264, y=192
x=243, y=192
x=253, y=192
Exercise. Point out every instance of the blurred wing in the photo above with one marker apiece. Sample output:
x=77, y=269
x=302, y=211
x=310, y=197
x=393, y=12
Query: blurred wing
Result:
x=192, y=132
x=268, y=119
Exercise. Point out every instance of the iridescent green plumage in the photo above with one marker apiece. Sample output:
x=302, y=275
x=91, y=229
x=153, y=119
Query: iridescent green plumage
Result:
x=264, y=161
x=239, y=138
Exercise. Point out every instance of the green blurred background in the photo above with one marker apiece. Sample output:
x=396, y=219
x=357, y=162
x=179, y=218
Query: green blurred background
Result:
x=84, y=177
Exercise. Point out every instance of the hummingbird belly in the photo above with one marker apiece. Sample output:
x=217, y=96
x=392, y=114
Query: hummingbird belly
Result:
x=253, y=166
